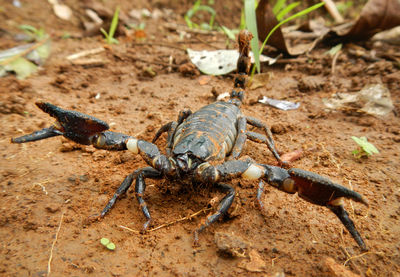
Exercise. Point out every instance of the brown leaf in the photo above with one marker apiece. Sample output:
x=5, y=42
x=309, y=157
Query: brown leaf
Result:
x=266, y=21
x=376, y=16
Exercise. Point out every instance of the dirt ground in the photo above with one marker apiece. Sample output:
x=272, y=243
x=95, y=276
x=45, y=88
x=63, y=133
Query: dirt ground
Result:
x=52, y=187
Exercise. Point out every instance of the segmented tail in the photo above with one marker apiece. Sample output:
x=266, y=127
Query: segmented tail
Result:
x=243, y=67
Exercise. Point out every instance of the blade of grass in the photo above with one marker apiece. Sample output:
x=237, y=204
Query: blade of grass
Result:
x=114, y=23
x=301, y=13
x=286, y=10
x=278, y=6
x=250, y=16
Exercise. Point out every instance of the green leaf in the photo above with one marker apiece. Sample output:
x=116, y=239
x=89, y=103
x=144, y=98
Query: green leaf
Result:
x=278, y=6
x=366, y=146
x=104, y=241
x=228, y=32
x=104, y=33
x=114, y=23
x=334, y=50
x=286, y=10
x=28, y=28
x=22, y=67
x=110, y=246
x=251, y=23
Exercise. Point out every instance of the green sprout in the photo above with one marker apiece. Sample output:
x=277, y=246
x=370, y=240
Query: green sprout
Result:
x=365, y=149
x=33, y=33
x=107, y=243
x=334, y=50
x=196, y=8
x=280, y=11
x=109, y=37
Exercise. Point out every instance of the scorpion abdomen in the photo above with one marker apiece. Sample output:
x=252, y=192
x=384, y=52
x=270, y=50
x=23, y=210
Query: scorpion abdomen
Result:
x=210, y=133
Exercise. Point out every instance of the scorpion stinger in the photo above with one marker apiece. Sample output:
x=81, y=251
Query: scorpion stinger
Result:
x=203, y=148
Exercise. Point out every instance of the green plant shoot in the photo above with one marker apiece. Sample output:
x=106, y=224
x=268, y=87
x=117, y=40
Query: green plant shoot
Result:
x=365, y=149
x=250, y=16
x=107, y=243
x=34, y=33
x=109, y=37
x=301, y=13
x=196, y=8
x=281, y=14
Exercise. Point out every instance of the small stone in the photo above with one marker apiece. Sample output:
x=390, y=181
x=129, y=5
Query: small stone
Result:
x=256, y=263
x=230, y=244
x=52, y=208
x=84, y=178
x=338, y=269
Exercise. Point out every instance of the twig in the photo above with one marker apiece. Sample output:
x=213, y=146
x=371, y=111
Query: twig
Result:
x=159, y=44
x=85, y=53
x=296, y=60
x=333, y=11
x=153, y=62
x=168, y=223
x=180, y=219
x=361, y=255
x=129, y=229
x=52, y=246
x=335, y=57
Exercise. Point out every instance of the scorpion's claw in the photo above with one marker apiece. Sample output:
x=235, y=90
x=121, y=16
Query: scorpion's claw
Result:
x=73, y=125
x=322, y=191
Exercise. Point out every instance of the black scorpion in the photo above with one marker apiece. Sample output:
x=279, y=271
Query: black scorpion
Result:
x=203, y=147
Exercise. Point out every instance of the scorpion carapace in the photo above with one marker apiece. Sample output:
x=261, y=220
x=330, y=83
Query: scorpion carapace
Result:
x=203, y=147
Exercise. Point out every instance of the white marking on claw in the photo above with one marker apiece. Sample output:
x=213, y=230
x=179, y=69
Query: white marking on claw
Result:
x=289, y=185
x=337, y=202
x=132, y=146
x=253, y=172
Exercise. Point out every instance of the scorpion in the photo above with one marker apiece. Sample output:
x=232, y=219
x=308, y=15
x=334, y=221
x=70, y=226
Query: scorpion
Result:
x=203, y=148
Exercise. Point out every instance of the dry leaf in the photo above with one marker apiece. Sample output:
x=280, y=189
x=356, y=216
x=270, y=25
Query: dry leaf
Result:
x=376, y=16
x=266, y=21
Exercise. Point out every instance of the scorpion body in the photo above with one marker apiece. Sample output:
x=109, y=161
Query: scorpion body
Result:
x=210, y=133
x=203, y=147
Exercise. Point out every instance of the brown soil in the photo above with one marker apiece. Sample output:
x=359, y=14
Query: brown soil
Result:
x=49, y=180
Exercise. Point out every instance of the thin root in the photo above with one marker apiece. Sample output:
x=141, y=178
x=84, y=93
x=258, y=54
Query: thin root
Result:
x=180, y=219
x=52, y=246
x=361, y=255
x=169, y=223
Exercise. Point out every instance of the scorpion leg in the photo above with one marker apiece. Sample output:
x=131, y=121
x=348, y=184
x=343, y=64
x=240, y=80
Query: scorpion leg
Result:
x=240, y=138
x=140, y=187
x=170, y=127
x=223, y=207
x=270, y=141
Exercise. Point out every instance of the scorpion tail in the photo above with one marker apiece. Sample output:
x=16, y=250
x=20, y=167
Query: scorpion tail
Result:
x=243, y=67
